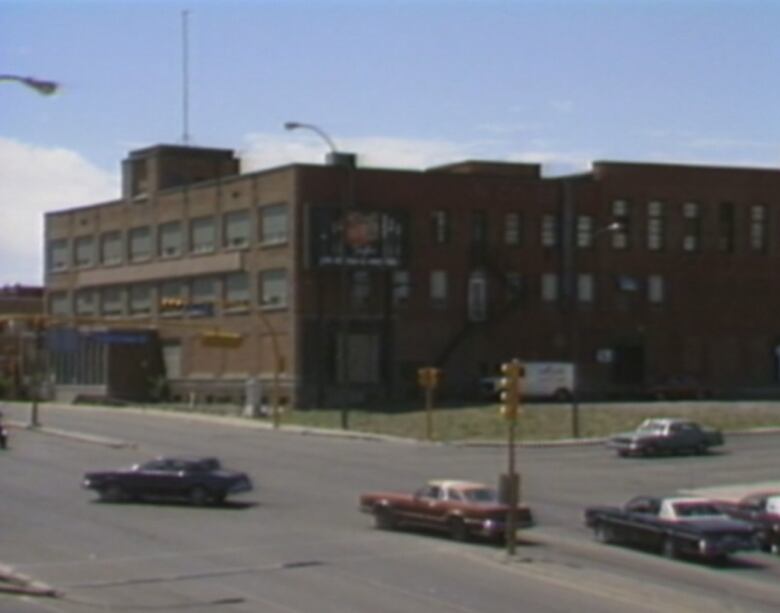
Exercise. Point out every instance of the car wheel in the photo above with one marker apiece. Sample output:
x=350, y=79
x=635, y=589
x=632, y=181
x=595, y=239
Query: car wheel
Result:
x=458, y=530
x=384, y=519
x=199, y=496
x=604, y=534
x=668, y=548
x=112, y=493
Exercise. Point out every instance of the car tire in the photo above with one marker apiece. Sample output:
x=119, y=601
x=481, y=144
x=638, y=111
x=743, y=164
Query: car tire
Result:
x=668, y=548
x=112, y=493
x=199, y=496
x=384, y=519
x=458, y=530
x=604, y=534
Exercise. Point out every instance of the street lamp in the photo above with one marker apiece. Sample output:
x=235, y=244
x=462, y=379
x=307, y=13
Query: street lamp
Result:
x=45, y=88
x=345, y=160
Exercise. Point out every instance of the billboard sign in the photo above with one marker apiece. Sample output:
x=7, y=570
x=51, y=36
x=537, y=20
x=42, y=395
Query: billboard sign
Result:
x=356, y=237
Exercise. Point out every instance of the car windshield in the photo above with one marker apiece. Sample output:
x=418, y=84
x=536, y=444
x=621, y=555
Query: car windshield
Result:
x=481, y=495
x=651, y=426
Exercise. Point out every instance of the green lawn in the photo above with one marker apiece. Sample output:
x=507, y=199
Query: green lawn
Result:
x=541, y=421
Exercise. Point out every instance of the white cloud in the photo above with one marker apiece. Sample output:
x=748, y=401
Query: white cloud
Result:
x=34, y=180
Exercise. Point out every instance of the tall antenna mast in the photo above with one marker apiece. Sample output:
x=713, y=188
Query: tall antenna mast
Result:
x=185, y=70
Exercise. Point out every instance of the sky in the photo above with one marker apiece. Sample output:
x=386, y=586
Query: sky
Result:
x=402, y=83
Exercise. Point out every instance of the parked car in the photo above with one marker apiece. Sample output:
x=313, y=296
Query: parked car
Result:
x=198, y=480
x=763, y=509
x=463, y=509
x=674, y=526
x=666, y=435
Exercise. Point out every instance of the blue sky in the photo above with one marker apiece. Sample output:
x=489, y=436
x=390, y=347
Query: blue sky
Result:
x=409, y=83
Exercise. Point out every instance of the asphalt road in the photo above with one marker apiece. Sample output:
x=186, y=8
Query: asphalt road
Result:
x=297, y=544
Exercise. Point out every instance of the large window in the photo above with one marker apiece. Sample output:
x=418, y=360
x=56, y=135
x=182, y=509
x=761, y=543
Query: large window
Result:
x=477, y=296
x=236, y=229
x=140, y=244
x=112, y=301
x=140, y=300
x=273, y=224
x=726, y=227
x=203, y=235
x=402, y=287
x=655, y=289
x=655, y=225
x=438, y=287
x=172, y=298
x=549, y=230
x=585, y=287
x=171, y=239
x=513, y=229
x=86, y=302
x=549, y=287
x=58, y=255
x=203, y=296
x=584, y=231
x=236, y=292
x=85, y=251
x=758, y=228
x=691, y=239
x=111, y=248
x=272, y=288
x=59, y=303
x=440, y=227
x=621, y=213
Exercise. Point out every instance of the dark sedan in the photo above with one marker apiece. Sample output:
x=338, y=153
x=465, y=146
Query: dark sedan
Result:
x=197, y=480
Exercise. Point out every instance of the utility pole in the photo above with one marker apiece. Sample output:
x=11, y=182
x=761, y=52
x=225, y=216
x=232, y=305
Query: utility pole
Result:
x=510, y=407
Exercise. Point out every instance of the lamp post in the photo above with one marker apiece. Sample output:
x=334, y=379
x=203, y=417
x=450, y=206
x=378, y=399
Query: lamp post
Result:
x=336, y=158
x=569, y=265
x=43, y=87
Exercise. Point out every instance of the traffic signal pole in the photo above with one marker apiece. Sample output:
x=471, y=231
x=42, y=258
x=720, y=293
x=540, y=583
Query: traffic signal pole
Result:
x=510, y=397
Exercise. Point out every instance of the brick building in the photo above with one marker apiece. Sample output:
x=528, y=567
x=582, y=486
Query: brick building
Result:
x=355, y=277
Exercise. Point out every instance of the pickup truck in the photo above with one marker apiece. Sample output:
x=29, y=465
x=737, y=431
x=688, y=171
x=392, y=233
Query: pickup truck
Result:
x=675, y=526
x=666, y=436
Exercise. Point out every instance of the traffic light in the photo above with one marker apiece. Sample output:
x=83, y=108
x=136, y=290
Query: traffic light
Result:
x=510, y=389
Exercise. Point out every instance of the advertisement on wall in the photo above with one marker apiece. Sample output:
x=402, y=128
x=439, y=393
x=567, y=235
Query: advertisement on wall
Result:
x=360, y=238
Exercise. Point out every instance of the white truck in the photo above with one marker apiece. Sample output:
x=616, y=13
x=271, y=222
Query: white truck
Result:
x=542, y=380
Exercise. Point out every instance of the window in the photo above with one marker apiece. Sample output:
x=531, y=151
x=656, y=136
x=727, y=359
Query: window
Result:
x=59, y=303
x=171, y=241
x=621, y=213
x=273, y=288
x=237, y=292
x=203, y=235
x=58, y=255
x=549, y=287
x=236, y=229
x=514, y=286
x=477, y=296
x=655, y=225
x=655, y=289
x=440, y=227
x=691, y=227
x=85, y=251
x=140, y=244
x=438, y=288
x=111, y=248
x=111, y=301
x=171, y=298
x=758, y=228
x=726, y=227
x=585, y=287
x=584, y=231
x=360, y=288
x=549, y=236
x=203, y=296
x=86, y=302
x=402, y=287
x=479, y=227
x=140, y=300
x=513, y=229
x=274, y=224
